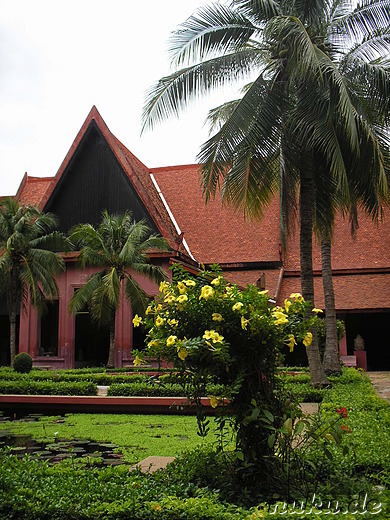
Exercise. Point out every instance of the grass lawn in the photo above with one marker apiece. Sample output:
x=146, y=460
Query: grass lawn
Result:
x=138, y=436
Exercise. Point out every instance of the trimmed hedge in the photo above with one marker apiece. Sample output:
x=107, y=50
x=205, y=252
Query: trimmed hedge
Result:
x=30, y=387
x=145, y=389
x=159, y=390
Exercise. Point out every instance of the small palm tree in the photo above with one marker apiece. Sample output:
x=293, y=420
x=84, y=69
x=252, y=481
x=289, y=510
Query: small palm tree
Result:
x=119, y=246
x=28, y=261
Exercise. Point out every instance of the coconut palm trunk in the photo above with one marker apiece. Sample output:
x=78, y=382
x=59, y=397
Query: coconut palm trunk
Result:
x=331, y=362
x=13, y=304
x=111, y=354
x=317, y=373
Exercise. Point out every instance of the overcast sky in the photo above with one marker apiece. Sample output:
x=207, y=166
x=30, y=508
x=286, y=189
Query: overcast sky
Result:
x=59, y=58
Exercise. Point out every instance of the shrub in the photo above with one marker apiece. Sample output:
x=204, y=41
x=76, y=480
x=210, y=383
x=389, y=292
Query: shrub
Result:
x=211, y=330
x=22, y=363
x=26, y=386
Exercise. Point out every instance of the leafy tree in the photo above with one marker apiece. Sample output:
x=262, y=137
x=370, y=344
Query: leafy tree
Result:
x=318, y=77
x=119, y=246
x=28, y=261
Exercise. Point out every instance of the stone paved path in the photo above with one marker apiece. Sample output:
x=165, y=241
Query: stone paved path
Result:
x=381, y=383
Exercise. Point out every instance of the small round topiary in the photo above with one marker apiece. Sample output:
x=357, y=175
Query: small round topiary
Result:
x=22, y=363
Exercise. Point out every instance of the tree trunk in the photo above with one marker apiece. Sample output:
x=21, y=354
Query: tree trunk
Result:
x=317, y=373
x=111, y=355
x=13, y=304
x=331, y=360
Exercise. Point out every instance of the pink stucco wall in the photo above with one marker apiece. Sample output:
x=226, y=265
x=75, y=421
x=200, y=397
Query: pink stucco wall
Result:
x=67, y=282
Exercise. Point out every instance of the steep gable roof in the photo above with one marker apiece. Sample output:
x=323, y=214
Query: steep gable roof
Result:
x=136, y=172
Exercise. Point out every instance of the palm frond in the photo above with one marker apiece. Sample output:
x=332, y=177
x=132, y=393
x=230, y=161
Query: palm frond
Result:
x=136, y=295
x=83, y=295
x=214, y=29
x=172, y=93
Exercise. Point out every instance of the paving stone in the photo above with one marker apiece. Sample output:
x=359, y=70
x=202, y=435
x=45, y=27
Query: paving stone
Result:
x=152, y=464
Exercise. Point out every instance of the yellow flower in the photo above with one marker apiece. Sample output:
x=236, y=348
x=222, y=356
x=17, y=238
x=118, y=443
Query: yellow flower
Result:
x=156, y=507
x=173, y=322
x=291, y=342
x=213, y=335
x=148, y=310
x=159, y=321
x=298, y=296
x=213, y=401
x=237, y=306
x=137, y=320
x=281, y=318
x=279, y=315
x=182, y=353
x=182, y=298
x=244, y=322
x=153, y=343
x=308, y=339
x=164, y=286
x=216, y=281
x=159, y=307
x=317, y=311
x=137, y=361
x=171, y=341
x=266, y=291
x=287, y=304
x=169, y=298
x=182, y=288
x=206, y=292
x=217, y=316
x=190, y=283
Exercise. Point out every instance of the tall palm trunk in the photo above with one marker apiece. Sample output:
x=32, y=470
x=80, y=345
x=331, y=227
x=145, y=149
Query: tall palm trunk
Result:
x=13, y=304
x=331, y=360
x=317, y=374
x=111, y=354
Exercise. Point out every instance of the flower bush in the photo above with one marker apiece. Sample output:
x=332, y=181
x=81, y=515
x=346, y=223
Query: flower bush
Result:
x=212, y=330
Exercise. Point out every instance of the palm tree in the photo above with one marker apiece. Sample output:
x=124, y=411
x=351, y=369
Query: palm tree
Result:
x=28, y=262
x=119, y=246
x=317, y=77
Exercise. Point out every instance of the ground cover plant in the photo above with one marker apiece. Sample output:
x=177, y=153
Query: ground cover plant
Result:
x=137, y=436
x=201, y=483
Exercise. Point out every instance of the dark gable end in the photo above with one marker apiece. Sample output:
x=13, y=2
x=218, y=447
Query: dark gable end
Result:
x=94, y=181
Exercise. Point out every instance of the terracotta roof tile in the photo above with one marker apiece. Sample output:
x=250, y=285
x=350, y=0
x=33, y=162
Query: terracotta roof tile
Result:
x=32, y=189
x=352, y=291
x=216, y=233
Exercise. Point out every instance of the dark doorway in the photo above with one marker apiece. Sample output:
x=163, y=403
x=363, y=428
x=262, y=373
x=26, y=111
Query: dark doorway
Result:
x=49, y=330
x=91, y=342
x=373, y=328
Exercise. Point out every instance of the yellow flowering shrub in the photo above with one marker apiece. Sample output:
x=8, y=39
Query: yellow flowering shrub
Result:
x=216, y=331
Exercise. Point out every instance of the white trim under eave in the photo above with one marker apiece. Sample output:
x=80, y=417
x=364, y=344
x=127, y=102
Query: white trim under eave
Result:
x=171, y=215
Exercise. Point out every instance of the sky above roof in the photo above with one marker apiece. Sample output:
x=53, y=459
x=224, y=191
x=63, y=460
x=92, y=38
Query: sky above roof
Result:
x=58, y=59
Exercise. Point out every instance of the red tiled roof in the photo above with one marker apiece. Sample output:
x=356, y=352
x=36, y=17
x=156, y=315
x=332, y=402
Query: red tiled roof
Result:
x=365, y=290
x=217, y=233
x=32, y=189
x=369, y=248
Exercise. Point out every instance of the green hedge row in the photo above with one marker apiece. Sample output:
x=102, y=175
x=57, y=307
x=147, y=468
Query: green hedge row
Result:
x=99, y=378
x=30, y=387
x=159, y=390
